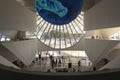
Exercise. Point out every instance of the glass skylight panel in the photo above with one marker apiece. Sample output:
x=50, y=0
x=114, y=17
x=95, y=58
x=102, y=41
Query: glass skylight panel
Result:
x=60, y=36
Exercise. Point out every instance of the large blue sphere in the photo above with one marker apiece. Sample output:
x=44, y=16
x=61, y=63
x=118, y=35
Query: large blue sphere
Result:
x=59, y=12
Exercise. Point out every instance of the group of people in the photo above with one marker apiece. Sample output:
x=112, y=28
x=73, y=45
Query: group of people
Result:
x=55, y=63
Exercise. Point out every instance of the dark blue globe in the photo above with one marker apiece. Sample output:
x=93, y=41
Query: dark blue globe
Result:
x=59, y=12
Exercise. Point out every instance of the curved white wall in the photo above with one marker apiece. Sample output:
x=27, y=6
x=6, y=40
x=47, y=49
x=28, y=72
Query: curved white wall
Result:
x=13, y=16
x=105, y=14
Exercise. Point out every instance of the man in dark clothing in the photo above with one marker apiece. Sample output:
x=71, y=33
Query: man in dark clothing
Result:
x=51, y=57
x=79, y=64
x=56, y=62
x=52, y=63
x=39, y=56
x=94, y=68
x=59, y=63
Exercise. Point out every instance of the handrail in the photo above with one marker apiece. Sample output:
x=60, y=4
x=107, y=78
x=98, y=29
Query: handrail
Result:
x=14, y=74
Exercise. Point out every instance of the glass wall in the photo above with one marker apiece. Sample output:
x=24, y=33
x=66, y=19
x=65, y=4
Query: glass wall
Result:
x=4, y=38
x=115, y=36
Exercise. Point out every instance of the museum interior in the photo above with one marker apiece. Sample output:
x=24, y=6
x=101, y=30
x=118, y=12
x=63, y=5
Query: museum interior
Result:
x=49, y=39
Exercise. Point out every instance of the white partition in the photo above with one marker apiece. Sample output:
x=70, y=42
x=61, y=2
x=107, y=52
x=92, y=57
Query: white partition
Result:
x=24, y=50
x=7, y=63
x=115, y=63
x=96, y=49
x=79, y=46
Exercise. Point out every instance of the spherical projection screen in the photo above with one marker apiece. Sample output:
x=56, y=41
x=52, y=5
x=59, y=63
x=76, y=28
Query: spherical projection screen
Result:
x=59, y=12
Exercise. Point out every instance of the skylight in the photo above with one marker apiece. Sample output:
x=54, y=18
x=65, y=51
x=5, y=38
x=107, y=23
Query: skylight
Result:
x=60, y=36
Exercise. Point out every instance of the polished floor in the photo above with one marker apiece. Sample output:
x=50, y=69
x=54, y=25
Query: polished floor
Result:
x=44, y=65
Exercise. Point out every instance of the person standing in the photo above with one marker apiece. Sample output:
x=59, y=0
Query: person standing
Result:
x=94, y=68
x=79, y=64
x=59, y=63
x=56, y=62
x=39, y=56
